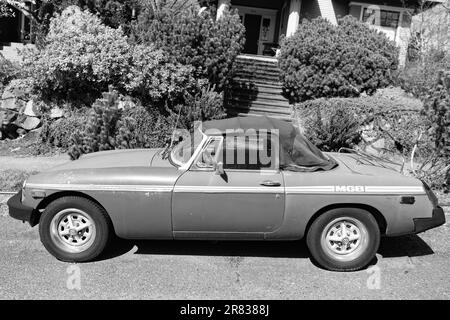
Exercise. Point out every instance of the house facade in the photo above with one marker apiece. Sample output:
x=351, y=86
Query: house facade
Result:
x=267, y=21
x=17, y=27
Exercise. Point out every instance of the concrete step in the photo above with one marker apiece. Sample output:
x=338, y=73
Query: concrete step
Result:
x=16, y=45
x=266, y=66
x=259, y=77
x=251, y=95
x=277, y=111
x=246, y=114
x=256, y=88
x=258, y=81
x=261, y=87
x=257, y=73
x=257, y=100
x=256, y=58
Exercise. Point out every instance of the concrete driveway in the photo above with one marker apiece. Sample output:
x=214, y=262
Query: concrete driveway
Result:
x=412, y=267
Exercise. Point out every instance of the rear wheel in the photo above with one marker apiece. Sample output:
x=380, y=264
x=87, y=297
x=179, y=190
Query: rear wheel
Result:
x=74, y=229
x=344, y=239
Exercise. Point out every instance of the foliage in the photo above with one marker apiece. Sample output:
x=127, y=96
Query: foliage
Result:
x=323, y=60
x=99, y=131
x=81, y=58
x=339, y=129
x=116, y=122
x=204, y=105
x=12, y=179
x=57, y=133
x=142, y=128
x=193, y=38
x=113, y=13
x=153, y=78
x=8, y=72
x=363, y=119
x=437, y=108
x=419, y=76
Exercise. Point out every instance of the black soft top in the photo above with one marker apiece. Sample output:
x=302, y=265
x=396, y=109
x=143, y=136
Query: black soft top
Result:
x=296, y=152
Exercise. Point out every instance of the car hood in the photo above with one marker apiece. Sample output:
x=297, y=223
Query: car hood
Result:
x=117, y=159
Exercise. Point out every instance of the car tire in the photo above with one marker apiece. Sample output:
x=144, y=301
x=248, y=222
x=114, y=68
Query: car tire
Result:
x=344, y=239
x=75, y=229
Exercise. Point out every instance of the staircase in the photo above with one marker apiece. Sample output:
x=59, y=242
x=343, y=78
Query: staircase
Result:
x=256, y=89
x=9, y=50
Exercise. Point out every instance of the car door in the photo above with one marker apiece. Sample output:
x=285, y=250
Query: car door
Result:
x=246, y=201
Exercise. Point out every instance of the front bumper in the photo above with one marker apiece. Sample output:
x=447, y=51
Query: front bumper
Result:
x=21, y=212
x=423, y=224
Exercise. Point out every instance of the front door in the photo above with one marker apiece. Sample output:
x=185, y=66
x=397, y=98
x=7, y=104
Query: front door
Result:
x=244, y=202
x=252, y=24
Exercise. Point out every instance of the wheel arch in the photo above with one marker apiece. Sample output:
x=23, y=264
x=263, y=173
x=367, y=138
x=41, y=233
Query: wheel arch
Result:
x=381, y=220
x=61, y=194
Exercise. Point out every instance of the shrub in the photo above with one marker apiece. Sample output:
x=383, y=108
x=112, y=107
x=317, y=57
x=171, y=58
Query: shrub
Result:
x=339, y=129
x=204, y=105
x=99, y=131
x=8, y=72
x=419, y=76
x=57, y=133
x=322, y=60
x=80, y=59
x=142, y=128
x=155, y=80
x=116, y=122
x=193, y=38
x=365, y=120
x=12, y=179
x=437, y=109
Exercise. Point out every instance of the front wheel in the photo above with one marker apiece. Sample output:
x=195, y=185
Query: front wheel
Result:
x=344, y=239
x=74, y=229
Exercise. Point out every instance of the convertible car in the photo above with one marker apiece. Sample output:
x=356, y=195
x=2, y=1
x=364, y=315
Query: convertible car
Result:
x=244, y=178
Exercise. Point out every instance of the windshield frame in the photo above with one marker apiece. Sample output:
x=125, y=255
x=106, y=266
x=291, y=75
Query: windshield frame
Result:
x=186, y=165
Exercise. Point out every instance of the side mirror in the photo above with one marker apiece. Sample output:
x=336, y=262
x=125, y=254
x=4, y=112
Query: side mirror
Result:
x=218, y=167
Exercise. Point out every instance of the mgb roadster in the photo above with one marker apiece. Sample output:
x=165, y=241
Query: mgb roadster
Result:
x=244, y=178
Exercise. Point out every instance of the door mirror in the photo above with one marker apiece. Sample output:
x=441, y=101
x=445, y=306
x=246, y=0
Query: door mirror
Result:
x=218, y=167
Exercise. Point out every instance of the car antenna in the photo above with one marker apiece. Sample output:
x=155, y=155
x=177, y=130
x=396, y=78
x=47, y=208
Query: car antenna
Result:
x=172, y=138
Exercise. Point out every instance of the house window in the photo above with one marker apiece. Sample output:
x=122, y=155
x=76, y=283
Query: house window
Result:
x=387, y=18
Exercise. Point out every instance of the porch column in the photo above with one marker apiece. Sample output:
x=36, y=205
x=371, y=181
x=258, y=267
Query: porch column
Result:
x=327, y=11
x=294, y=17
x=222, y=6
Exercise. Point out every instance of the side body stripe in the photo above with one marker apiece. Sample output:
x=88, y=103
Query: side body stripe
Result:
x=226, y=189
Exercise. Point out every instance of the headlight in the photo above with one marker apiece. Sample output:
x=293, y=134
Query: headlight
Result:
x=434, y=200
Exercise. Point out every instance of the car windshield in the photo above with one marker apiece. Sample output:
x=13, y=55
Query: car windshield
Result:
x=184, y=150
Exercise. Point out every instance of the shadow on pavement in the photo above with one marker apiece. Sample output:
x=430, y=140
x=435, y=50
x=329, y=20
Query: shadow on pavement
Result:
x=410, y=245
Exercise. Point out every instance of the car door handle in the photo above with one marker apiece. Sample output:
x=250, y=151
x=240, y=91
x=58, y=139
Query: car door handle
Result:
x=269, y=183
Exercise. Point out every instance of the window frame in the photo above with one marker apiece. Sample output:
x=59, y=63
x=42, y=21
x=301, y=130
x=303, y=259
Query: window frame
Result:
x=387, y=12
x=194, y=166
x=275, y=168
x=364, y=5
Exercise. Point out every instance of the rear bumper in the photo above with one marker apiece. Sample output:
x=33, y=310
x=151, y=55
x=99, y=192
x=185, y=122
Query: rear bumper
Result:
x=21, y=212
x=423, y=224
